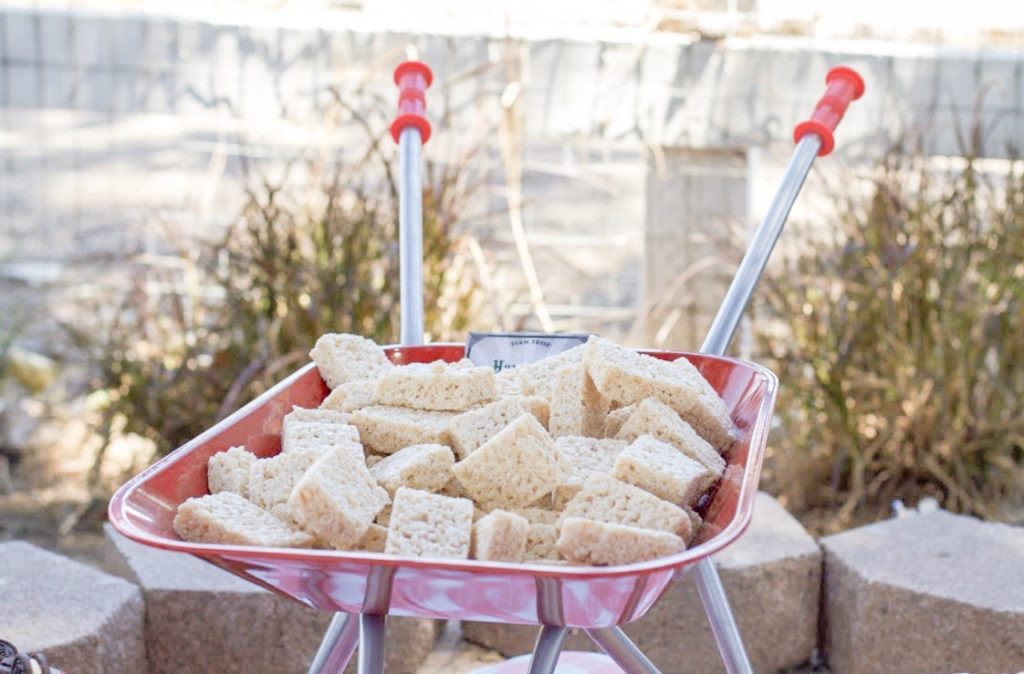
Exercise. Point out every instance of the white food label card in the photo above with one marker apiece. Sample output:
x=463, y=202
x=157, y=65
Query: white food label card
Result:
x=505, y=350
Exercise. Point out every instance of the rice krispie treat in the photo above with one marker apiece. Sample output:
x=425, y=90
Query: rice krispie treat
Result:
x=344, y=358
x=385, y=430
x=663, y=470
x=429, y=525
x=584, y=457
x=541, y=543
x=577, y=407
x=536, y=515
x=709, y=416
x=514, y=468
x=538, y=378
x=627, y=377
x=229, y=519
x=613, y=422
x=427, y=467
x=653, y=417
x=606, y=499
x=500, y=536
x=337, y=499
x=271, y=480
x=695, y=523
x=535, y=405
x=436, y=386
x=469, y=430
x=229, y=471
x=350, y=396
x=318, y=415
x=320, y=437
x=373, y=539
x=507, y=384
x=586, y=541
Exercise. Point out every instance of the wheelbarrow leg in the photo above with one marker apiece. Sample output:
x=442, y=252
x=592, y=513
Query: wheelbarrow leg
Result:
x=371, y=643
x=617, y=646
x=338, y=645
x=547, y=650
x=723, y=625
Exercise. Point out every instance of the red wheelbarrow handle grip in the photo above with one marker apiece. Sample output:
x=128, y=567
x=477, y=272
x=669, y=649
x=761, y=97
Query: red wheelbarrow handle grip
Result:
x=844, y=85
x=413, y=78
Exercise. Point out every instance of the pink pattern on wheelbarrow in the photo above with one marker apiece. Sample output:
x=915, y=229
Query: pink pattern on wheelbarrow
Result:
x=570, y=662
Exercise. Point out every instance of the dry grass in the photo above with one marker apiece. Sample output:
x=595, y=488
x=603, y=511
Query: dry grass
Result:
x=899, y=346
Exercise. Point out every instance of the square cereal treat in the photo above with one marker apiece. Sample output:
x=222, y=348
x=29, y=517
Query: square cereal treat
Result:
x=514, y=468
x=337, y=499
x=577, y=407
x=500, y=536
x=350, y=396
x=507, y=384
x=429, y=525
x=695, y=523
x=627, y=377
x=229, y=471
x=709, y=416
x=271, y=480
x=609, y=500
x=373, y=539
x=535, y=405
x=318, y=415
x=663, y=470
x=613, y=422
x=386, y=430
x=538, y=378
x=536, y=515
x=316, y=436
x=541, y=543
x=454, y=488
x=426, y=467
x=584, y=457
x=592, y=542
x=344, y=358
x=653, y=417
x=436, y=386
x=471, y=429
x=229, y=519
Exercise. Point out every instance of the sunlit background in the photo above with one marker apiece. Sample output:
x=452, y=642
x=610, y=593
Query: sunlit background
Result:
x=178, y=181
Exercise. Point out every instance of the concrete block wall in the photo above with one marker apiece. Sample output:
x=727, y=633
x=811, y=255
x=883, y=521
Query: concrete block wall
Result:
x=171, y=104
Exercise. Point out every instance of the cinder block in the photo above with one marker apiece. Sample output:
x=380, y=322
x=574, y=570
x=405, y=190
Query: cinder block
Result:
x=934, y=592
x=196, y=612
x=773, y=578
x=83, y=620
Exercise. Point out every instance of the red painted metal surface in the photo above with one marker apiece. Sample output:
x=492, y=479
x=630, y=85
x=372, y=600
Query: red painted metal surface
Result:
x=577, y=596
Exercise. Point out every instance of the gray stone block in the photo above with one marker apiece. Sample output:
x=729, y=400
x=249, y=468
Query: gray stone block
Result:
x=196, y=612
x=773, y=578
x=83, y=620
x=925, y=593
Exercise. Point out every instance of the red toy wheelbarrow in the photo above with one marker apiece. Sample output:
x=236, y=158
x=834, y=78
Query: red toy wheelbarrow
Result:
x=362, y=587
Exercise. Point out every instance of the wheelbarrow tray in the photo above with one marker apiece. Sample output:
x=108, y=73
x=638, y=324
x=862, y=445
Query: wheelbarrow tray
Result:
x=355, y=582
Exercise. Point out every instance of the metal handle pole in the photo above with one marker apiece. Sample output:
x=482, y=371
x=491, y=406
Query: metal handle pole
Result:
x=617, y=646
x=410, y=236
x=813, y=137
x=709, y=585
x=761, y=245
x=337, y=646
x=548, y=648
